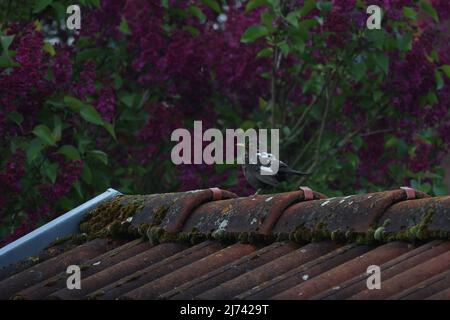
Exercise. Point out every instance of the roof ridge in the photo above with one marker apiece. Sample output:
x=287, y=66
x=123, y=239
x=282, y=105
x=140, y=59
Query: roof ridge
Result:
x=404, y=213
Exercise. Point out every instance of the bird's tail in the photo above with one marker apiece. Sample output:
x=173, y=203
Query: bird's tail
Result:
x=299, y=173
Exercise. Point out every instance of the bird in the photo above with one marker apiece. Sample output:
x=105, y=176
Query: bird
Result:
x=252, y=172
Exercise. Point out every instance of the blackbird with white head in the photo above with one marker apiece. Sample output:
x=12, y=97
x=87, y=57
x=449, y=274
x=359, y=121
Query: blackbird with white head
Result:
x=252, y=171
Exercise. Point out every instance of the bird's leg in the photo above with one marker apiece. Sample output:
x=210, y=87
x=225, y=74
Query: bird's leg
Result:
x=257, y=192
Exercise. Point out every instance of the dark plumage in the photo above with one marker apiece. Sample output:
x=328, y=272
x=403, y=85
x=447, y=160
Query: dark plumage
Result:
x=258, y=181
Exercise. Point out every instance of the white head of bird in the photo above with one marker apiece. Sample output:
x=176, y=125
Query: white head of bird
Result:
x=268, y=162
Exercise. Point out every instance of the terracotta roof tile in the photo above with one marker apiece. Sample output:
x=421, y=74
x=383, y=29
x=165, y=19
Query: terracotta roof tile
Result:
x=304, y=272
x=98, y=263
x=248, y=280
x=388, y=269
x=51, y=252
x=256, y=214
x=332, y=278
x=51, y=267
x=408, y=278
x=187, y=273
x=442, y=295
x=355, y=213
x=230, y=271
x=157, y=270
x=426, y=288
x=404, y=215
x=120, y=270
x=210, y=244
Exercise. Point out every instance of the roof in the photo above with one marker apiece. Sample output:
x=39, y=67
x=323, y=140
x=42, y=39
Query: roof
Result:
x=211, y=244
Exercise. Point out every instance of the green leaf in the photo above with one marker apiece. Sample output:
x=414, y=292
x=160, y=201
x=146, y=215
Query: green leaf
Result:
x=264, y=53
x=99, y=155
x=90, y=114
x=377, y=95
x=284, y=47
x=254, y=4
x=86, y=174
x=15, y=117
x=293, y=17
x=70, y=152
x=404, y=42
x=6, y=41
x=359, y=70
x=73, y=103
x=308, y=23
x=110, y=128
x=83, y=144
x=378, y=38
x=392, y=142
x=383, y=62
x=44, y=133
x=192, y=30
x=128, y=100
x=267, y=20
x=49, y=48
x=428, y=8
x=60, y=10
x=51, y=171
x=358, y=142
x=433, y=56
x=262, y=103
x=212, y=4
x=34, y=148
x=118, y=81
x=432, y=98
x=88, y=54
x=439, y=80
x=198, y=13
x=326, y=6
x=41, y=5
x=352, y=159
x=57, y=130
x=7, y=62
x=231, y=179
x=248, y=124
x=253, y=33
x=425, y=187
x=311, y=4
x=299, y=35
x=440, y=189
x=409, y=13
x=446, y=69
x=123, y=26
x=96, y=3
x=77, y=187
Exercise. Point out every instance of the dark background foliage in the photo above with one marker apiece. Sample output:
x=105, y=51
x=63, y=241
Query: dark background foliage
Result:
x=81, y=111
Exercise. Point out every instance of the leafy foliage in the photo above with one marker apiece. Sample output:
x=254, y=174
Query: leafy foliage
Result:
x=83, y=111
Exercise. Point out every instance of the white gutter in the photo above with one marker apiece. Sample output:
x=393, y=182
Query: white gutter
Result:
x=67, y=224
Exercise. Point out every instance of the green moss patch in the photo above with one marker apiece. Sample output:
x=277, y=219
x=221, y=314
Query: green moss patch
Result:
x=112, y=218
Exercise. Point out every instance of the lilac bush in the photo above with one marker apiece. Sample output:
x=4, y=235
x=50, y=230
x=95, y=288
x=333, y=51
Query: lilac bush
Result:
x=362, y=109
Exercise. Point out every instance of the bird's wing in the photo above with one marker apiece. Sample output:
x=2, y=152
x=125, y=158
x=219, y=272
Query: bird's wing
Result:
x=283, y=167
x=266, y=179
